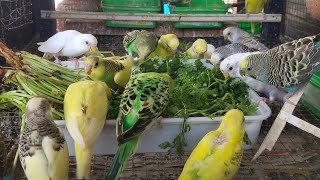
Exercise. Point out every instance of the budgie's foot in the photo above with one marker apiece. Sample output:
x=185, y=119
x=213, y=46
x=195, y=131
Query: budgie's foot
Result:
x=57, y=60
x=76, y=62
x=247, y=15
x=119, y=91
x=263, y=15
x=159, y=125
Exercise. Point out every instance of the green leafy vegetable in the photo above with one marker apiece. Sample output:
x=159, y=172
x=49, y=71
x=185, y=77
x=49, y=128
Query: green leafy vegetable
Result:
x=199, y=91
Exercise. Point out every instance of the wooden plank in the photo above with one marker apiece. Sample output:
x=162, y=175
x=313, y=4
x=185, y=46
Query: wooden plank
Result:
x=159, y=17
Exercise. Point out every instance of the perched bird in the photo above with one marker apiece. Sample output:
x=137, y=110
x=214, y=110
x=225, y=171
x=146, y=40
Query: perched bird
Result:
x=114, y=71
x=141, y=42
x=288, y=66
x=223, y=52
x=85, y=110
x=43, y=149
x=3, y=156
x=237, y=35
x=198, y=49
x=230, y=68
x=167, y=46
x=219, y=153
x=70, y=43
x=144, y=99
x=254, y=7
x=210, y=50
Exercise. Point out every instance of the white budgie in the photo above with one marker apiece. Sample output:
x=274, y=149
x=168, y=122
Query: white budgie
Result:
x=70, y=43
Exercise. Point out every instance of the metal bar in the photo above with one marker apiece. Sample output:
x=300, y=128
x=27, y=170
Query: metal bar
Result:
x=98, y=16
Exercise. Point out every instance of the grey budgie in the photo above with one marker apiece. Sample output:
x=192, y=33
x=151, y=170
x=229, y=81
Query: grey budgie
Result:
x=220, y=53
x=237, y=35
x=230, y=68
x=288, y=66
x=43, y=150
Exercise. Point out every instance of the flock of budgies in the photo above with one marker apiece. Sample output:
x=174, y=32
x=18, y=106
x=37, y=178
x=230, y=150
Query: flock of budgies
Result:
x=278, y=73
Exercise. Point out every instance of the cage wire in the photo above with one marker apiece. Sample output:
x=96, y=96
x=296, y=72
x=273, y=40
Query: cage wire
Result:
x=298, y=22
x=14, y=14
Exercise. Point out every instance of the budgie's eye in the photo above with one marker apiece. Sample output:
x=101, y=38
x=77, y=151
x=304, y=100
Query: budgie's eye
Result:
x=249, y=68
x=87, y=42
x=96, y=64
x=230, y=68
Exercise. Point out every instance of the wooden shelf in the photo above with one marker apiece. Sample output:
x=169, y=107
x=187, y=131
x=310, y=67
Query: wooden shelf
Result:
x=102, y=16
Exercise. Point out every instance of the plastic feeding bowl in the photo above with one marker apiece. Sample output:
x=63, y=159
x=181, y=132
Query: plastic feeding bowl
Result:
x=170, y=127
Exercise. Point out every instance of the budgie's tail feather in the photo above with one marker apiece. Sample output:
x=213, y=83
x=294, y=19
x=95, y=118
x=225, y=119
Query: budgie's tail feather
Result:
x=119, y=162
x=253, y=27
x=83, y=158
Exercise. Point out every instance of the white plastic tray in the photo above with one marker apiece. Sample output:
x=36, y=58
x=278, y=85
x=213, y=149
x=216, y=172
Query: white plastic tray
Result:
x=107, y=142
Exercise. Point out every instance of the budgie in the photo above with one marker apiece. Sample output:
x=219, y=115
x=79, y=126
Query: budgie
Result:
x=43, y=149
x=237, y=35
x=254, y=7
x=218, y=155
x=3, y=156
x=85, y=109
x=198, y=49
x=115, y=72
x=141, y=42
x=144, y=99
x=230, y=68
x=70, y=43
x=220, y=53
x=167, y=46
x=288, y=66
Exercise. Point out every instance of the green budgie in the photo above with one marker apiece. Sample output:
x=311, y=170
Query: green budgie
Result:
x=144, y=99
x=141, y=42
x=288, y=66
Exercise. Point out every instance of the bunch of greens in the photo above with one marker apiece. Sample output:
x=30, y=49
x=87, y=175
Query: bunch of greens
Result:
x=198, y=91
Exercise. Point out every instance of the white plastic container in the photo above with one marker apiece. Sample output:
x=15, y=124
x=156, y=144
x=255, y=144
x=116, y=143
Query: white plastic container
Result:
x=107, y=142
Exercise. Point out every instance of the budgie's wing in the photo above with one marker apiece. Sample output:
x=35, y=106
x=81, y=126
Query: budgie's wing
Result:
x=129, y=38
x=296, y=61
x=141, y=104
x=207, y=154
x=56, y=43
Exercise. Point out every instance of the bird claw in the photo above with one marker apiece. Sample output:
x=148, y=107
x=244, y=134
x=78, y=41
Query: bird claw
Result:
x=76, y=62
x=57, y=61
x=261, y=99
x=263, y=15
x=159, y=124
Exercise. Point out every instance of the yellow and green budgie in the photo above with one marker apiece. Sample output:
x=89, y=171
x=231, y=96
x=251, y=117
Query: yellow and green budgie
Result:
x=167, y=46
x=198, y=49
x=114, y=71
x=43, y=150
x=219, y=153
x=141, y=42
x=254, y=7
x=144, y=99
x=85, y=110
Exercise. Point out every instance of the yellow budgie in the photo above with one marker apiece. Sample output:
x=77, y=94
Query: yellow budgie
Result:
x=85, y=109
x=167, y=46
x=198, y=49
x=218, y=155
x=114, y=71
x=254, y=7
x=43, y=150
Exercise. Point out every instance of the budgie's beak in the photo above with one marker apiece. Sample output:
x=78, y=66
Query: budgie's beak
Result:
x=242, y=72
x=93, y=50
x=226, y=76
x=87, y=68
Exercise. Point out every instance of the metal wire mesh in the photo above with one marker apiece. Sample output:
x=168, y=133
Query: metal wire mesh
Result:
x=297, y=20
x=14, y=14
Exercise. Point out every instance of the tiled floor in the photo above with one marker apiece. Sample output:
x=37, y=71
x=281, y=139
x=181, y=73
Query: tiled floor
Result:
x=295, y=156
